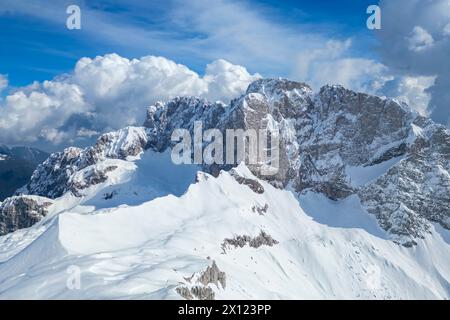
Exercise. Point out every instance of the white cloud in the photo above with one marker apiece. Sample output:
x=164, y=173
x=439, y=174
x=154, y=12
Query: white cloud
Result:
x=109, y=92
x=420, y=39
x=34, y=111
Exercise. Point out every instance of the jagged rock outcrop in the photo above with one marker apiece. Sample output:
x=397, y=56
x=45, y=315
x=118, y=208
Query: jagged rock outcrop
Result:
x=22, y=212
x=54, y=177
x=254, y=110
x=213, y=275
x=261, y=210
x=322, y=135
x=201, y=289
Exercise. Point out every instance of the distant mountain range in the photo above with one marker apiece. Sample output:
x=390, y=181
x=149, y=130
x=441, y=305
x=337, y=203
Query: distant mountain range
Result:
x=359, y=208
x=16, y=167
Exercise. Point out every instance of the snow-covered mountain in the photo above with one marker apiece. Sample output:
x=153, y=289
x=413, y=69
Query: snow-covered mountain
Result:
x=358, y=209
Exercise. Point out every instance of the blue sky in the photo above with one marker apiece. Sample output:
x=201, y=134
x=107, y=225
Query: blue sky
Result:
x=130, y=54
x=36, y=44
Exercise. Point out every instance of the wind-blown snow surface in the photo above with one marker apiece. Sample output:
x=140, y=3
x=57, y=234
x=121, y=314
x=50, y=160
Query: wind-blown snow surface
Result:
x=142, y=234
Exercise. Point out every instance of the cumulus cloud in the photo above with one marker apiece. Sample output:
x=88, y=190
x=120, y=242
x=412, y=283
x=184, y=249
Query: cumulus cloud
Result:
x=420, y=39
x=107, y=93
x=446, y=31
x=332, y=64
x=419, y=47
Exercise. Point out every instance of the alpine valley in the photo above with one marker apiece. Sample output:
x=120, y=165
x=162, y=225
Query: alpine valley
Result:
x=359, y=208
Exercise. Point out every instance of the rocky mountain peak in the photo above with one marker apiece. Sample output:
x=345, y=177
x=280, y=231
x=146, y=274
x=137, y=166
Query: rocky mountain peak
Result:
x=274, y=87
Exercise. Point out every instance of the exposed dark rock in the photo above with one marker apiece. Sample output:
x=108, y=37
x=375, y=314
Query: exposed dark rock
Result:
x=90, y=178
x=54, y=177
x=185, y=292
x=20, y=212
x=203, y=293
x=251, y=183
x=212, y=275
x=16, y=167
x=109, y=195
x=201, y=176
x=413, y=193
x=391, y=153
x=199, y=292
x=321, y=135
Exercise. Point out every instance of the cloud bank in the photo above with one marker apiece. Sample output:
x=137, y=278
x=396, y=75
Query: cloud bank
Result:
x=333, y=64
x=110, y=92
x=107, y=93
x=415, y=42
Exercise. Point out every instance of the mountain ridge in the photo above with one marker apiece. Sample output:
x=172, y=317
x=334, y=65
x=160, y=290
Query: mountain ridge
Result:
x=16, y=167
x=365, y=177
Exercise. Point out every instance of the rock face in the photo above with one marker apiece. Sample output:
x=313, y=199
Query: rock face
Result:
x=267, y=105
x=323, y=137
x=324, y=134
x=416, y=191
x=21, y=212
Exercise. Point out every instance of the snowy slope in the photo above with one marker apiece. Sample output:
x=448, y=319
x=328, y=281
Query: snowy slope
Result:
x=359, y=207
x=148, y=250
